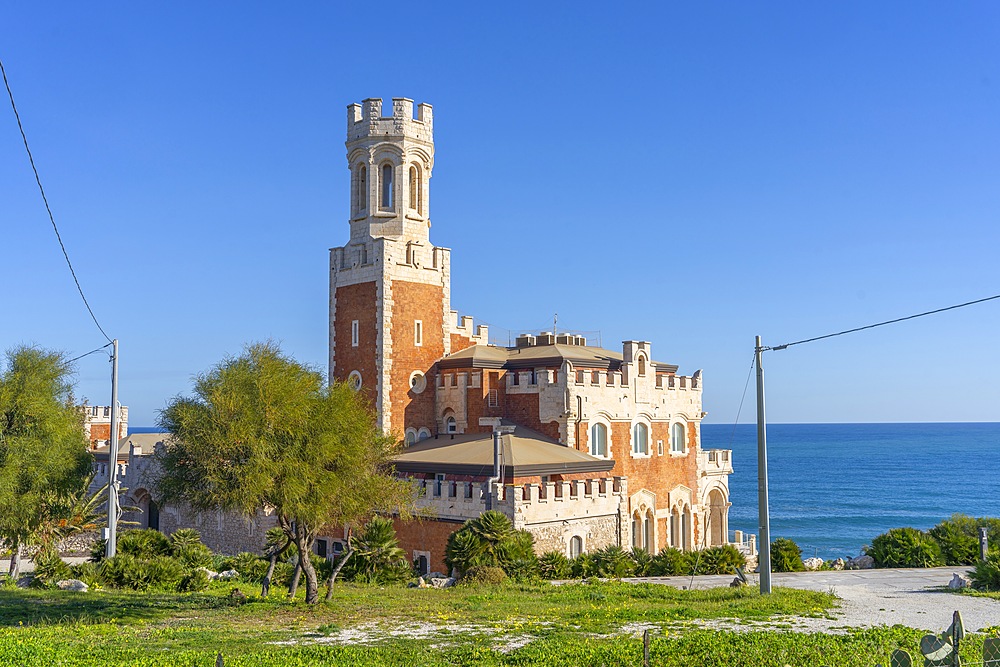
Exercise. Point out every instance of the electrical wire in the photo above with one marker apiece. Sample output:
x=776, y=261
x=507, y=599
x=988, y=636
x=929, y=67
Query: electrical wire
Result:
x=732, y=436
x=881, y=324
x=103, y=347
x=52, y=219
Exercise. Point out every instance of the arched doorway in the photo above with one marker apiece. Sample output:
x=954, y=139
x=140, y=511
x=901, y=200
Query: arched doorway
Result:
x=716, y=518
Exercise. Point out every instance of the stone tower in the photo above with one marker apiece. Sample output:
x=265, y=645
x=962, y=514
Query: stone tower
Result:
x=389, y=286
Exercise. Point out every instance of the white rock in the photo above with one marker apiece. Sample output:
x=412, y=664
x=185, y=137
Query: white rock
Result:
x=72, y=585
x=211, y=574
x=813, y=563
x=228, y=575
x=959, y=581
x=442, y=582
x=836, y=564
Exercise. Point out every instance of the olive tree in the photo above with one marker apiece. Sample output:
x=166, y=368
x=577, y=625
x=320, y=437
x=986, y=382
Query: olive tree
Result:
x=43, y=450
x=264, y=431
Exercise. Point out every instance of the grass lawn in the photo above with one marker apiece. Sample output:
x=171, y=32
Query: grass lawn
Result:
x=535, y=624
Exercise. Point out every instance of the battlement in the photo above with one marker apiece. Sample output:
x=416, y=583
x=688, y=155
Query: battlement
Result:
x=366, y=120
x=463, y=326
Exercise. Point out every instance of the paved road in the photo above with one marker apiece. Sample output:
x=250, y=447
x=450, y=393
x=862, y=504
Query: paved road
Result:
x=912, y=597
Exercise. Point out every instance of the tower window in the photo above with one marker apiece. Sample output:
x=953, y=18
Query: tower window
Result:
x=451, y=426
x=416, y=190
x=418, y=333
x=642, y=366
x=640, y=439
x=386, y=203
x=354, y=333
x=361, y=194
x=599, y=440
x=677, y=445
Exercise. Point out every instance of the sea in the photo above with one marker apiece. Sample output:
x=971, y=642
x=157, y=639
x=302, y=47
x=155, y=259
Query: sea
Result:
x=834, y=487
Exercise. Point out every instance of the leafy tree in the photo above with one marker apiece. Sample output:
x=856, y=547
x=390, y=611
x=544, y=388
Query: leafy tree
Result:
x=43, y=451
x=263, y=430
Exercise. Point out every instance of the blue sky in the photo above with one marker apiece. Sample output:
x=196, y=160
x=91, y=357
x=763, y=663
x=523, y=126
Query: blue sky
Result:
x=686, y=174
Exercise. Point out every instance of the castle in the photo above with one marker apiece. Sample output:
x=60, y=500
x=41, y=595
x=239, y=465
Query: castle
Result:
x=582, y=446
x=595, y=447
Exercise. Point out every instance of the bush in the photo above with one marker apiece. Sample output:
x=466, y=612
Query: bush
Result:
x=583, y=566
x=724, y=559
x=484, y=574
x=49, y=567
x=986, y=575
x=643, y=562
x=672, y=562
x=126, y=571
x=377, y=557
x=146, y=543
x=186, y=546
x=613, y=561
x=905, y=547
x=87, y=573
x=958, y=538
x=490, y=539
x=193, y=581
x=250, y=566
x=786, y=556
x=554, y=565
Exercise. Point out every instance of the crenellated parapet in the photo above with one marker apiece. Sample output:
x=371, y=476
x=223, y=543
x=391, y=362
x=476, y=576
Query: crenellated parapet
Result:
x=366, y=120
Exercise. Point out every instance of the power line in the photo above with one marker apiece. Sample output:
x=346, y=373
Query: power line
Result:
x=882, y=324
x=52, y=219
x=87, y=354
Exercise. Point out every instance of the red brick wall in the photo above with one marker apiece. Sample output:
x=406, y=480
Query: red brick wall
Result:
x=415, y=301
x=426, y=535
x=356, y=302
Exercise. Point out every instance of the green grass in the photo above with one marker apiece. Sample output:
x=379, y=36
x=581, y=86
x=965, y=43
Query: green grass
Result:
x=578, y=624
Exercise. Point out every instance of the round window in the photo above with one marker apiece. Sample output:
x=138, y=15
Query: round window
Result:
x=418, y=382
x=354, y=380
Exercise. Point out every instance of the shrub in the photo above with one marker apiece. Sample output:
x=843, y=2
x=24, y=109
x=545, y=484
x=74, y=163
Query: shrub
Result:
x=554, y=565
x=905, y=547
x=490, y=539
x=786, y=556
x=484, y=574
x=97, y=550
x=583, y=566
x=378, y=557
x=145, y=543
x=986, y=575
x=643, y=562
x=613, y=561
x=282, y=575
x=86, y=572
x=49, y=567
x=126, y=571
x=724, y=559
x=193, y=581
x=250, y=566
x=186, y=546
x=672, y=562
x=958, y=538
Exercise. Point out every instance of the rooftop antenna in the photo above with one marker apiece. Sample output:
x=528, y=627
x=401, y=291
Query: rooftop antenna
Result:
x=555, y=321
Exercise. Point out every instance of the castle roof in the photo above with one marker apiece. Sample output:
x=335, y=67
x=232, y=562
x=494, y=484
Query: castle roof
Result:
x=491, y=356
x=524, y=453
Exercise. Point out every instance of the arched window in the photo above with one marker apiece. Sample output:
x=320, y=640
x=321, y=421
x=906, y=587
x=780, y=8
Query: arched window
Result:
x=423, y=434
x=451, y=426
x=648, y=523
x=416, y=190
x=361, y=195
x=640, y=439
x=386, y=190
x=411, y=436
x=642, y=366
x=599, y=440
x=636, y=531
x=677, y=438
x=575, y=546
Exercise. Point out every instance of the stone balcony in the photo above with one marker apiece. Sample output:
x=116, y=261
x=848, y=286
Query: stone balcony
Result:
x=715, y=462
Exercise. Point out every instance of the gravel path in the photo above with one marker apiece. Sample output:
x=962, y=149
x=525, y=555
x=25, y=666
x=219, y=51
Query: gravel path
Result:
x=916, y=598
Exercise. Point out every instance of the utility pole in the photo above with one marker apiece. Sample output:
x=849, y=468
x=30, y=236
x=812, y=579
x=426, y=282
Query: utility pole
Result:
x=113, y=458
x=764, y=546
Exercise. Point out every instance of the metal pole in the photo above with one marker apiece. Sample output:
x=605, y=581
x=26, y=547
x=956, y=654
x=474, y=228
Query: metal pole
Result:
x=764, y=547
x=495, y=479
x=983, y=543
x=113, y=458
